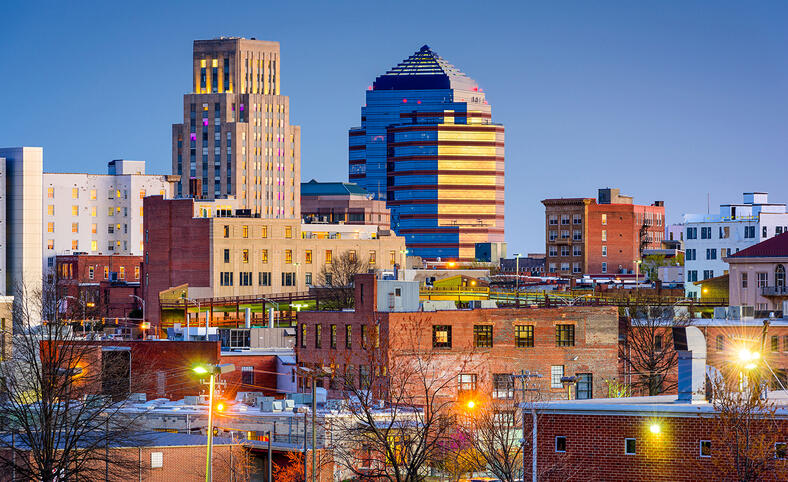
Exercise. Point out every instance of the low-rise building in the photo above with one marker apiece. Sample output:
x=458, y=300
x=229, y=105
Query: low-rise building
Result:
x=757, y=275
x=342, y=203
x=556, y=342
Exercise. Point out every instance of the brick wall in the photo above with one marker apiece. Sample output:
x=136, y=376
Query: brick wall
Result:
x=264, y=374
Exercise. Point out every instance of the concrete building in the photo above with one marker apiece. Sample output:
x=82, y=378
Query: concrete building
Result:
x=427, y=145
x=710, y=238
x=98, y=214
x=218, y=252
x=20, y=213
x=342, y=203
x=491, y=344
x=236, y=138
x=757, y=275
x=601, y=237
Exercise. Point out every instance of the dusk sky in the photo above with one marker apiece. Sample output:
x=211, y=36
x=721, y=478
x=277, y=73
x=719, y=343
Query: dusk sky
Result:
x=664, y=100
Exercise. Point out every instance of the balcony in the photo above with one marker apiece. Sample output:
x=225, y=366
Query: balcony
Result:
x=774, y=291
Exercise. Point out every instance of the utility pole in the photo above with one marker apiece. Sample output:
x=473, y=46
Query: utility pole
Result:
x=270, y=472
x=524, y=376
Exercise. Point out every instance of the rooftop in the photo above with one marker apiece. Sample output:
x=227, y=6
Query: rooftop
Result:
x=774, y=247
x=314, y=188
x=424, y=70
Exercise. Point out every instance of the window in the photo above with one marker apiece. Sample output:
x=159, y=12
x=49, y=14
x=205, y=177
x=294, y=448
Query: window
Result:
x=765, y=232
x=705, y=233
x=288, y=279
x=91, y=271
x=560, y=444
x=564, y=335
x=552, y=220
x=226, y=255
x=245, y=231
x=584, y=387
x=763, y=280
x=226, y=278
x=711, y=253
x=576, y=268
x=247, y=375
x=245, y=278
x=725, y=232
x=657, y=343
x=122, y=273
x=524, y=336
x=264, y=256
x=781, y=450
x=92, y=194
x=503, y=385
x=552, y=251
x=441, y=336
x=329, y=256
x=775, y=343
x=708, y=273
x=705, y=448
x=604, y=267
x=333, y=336
x=577, y=250
x=749, y=231
x=483, y=336
x=364, y=336
x=690, y=255
x=308, y=256
x=564, y=219
x=720, y=345
x=576, y=219
x=604, y=235
x=604, y=219
x=74, y=244
x=136, y=272
x=75, y=210
x=51, y=192
x=264, y=278
x=106, y=272
x=348, y=336
x=318, y=336
x=466, y=382
x=51, y=209
x=308, y=278
x=692, y=275
x=226, y=231
x=288, y=232
x=604, y=250
x=564, y=234
x=692, y=233
x=372, y=257
x=303, y=335
x=630, y=446
x=264, y=232
x=50, y=227
x=245, y=255
x=564, y=250
x=50, y=244
x=74, y=193
x=779, y=276
x=156, y=460
x=556, y=373
x=553, y=235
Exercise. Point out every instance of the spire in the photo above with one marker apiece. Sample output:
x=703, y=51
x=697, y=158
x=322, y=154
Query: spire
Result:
x=424, y=70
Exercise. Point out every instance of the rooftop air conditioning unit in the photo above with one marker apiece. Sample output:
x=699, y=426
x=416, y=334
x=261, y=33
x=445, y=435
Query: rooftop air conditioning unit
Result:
x=721, y=313
x=785, y=309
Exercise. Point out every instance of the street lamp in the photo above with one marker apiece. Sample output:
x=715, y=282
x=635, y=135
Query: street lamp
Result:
x=213, y=370
x=403, y=258
x=637, y=277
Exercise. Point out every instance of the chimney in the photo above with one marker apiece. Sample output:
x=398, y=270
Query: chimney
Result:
x=690, y=345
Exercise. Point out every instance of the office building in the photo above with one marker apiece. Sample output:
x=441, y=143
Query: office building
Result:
x=427, y=145
x=342, y=203
x=710, y=238
x=98, y=214
x=603, y=237
x=236, y=139
x=20, y=213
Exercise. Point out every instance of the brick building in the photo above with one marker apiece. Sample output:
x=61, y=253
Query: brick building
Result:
x=342, y=202
x=601, y=237
x=223, y=253
x=557, y=342
x=97, y=286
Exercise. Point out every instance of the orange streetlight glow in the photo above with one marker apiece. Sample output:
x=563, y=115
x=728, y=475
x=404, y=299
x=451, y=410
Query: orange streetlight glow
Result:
x=471, y=404
x=220, y=407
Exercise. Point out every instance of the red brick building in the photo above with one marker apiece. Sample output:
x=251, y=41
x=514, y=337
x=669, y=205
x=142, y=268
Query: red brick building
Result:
x=635, y=439
x=567, y=341
x=101, y=284
x=601, y=237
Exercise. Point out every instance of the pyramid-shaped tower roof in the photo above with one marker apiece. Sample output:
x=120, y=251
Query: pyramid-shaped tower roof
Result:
x=424, y=70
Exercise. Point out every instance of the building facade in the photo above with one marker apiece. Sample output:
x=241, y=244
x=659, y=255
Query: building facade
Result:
x=98, y=214
x=603, y=237
x=711, y=238
x=236, y=138
x=757, y=275
x=342, y=203
x=20, y=209
x=226, y=253
x=491, y=344
x=427, y=145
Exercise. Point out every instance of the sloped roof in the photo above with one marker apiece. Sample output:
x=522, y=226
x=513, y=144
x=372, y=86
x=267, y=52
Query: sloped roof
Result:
x=314, y=188
x=424, y=70
x=771, y=248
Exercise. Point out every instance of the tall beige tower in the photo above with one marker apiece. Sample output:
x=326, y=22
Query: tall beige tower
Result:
x=236, y=138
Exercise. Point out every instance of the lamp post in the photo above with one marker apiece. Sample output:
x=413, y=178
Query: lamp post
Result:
x=403, y=258
x=213, y=370
x=188, y=318
x=308, y=372
x=637, y=278
x=517, y=279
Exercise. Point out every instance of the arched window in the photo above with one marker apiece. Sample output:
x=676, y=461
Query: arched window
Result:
x=779, y=275
x=720, y=342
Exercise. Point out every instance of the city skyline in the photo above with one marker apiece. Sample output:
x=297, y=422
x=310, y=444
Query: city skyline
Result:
x=698, y=93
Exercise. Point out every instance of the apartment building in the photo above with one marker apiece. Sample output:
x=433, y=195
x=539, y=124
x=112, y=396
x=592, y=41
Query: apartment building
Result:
x=757, y=276
x=603, y=237
x=98, y=214
x=219, y=251
x=711, y=238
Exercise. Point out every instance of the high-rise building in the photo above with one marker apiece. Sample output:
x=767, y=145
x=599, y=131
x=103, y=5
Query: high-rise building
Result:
x=427, y=145
x=21, y=210
x=99, y=214
x=603, y=237
x=236, y=138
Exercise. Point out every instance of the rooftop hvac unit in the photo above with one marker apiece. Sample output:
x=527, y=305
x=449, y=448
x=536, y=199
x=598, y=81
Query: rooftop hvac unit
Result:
x=785, y=309
x=721, y=313
x=742, y=312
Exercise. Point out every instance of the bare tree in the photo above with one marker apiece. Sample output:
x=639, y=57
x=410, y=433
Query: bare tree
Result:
x=646, y=351
x=401, y=405
x=61, y=410
x=335, y=280
x=748, y=442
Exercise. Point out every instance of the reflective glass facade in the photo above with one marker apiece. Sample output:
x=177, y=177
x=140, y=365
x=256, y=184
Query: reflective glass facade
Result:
x=427, y=146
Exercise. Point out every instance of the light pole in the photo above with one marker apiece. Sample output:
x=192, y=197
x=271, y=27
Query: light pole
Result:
x=188, y=318
x=637, y=278
x=213, y=370
x=403, y=258
x=313, y=374
x=84, y=309
x=517, y=279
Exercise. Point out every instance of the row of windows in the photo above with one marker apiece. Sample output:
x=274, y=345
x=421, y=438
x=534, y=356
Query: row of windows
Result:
x=288, y=256
x=553, y=219
x=111, y=245
x=577, y=235
x=111, y=211
x=332, y=333
x=724, y=232
x=704, y=447
x=227, y=278
x=483, y=336
x=111, y=228
x=576, y=267
x=503, y=383
x=112, y=193
x=577, y=250
x=762, y=278
x=66, y=271
x=711, y=253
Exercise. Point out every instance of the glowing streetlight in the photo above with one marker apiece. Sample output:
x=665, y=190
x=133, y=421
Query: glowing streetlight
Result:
x=655, y=428
x=471, y=404
x=213, y=370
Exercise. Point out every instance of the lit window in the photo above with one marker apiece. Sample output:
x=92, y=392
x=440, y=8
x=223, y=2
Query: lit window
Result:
x=93, y=246
x=93, y=212
x=524, y=336
x=264, y=232
x=372, y=257
x=75, y=210
x=156, y=460
x=142, y=193
x=483, y=336
x=75, y=193
x=50, y=244
x=288, y=256
x=122, y=273
x=136, y=272
x=604, y=219
x=141, y=211
x=308, y=256
x=50, y=227
x=288, y=232
x=264, y=256
x=74, y=244
x=245, y=231
x=51, y=192
x=329, y=256
x=74, y=227
x=92, y=194
x=564, y=335
x=51, y=209
x=441, y=336
x=245, y=255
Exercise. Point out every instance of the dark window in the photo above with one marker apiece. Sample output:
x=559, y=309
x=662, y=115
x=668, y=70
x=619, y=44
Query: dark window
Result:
x=584, y=388
x=303, y=335
x=630, y=446
x=657, y=343
x=441, y=336
x=483, y=336
x=560, y=444
x=524, y=336
x=503, y=385
x=705, y=448
x=333, y=336
x=720, y=342
x=318, y=336
x=564, y=335
x=775, y=343
x=348, y=336
x=247, y=375
x=363, y=336
x=781, y=450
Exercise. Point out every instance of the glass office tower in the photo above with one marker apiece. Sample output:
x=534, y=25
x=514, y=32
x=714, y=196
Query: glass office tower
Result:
x=428, y=147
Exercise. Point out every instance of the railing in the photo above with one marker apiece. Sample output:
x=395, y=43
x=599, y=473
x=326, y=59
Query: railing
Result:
x=774, y=291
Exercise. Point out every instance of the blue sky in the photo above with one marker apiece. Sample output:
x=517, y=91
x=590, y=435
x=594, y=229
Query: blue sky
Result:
x=665, y=100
